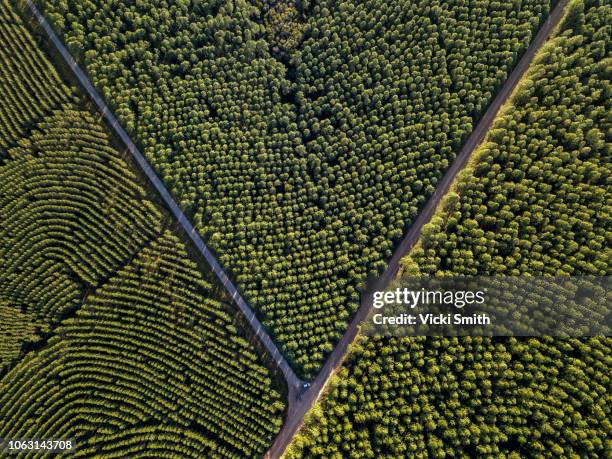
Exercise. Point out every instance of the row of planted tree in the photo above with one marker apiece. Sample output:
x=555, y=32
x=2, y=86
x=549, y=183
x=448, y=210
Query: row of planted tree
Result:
x=111, y=337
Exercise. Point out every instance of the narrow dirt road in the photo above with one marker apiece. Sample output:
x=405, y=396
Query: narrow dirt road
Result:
x=292, y=380
x=298, y=408
x=300, y=404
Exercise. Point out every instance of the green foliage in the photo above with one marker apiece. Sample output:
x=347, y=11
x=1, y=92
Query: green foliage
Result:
x=149, y=347
x=534, y=202
x=33, y=80
x=465, y=397
x=284, y=26
x=109, y=334
x=302, y=177
x=16, y=328
x=535, y=199
x=72, y=214
x=574, y=18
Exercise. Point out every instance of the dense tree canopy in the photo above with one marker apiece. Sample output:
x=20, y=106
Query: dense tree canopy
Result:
x=301, y=171
x=533, y=202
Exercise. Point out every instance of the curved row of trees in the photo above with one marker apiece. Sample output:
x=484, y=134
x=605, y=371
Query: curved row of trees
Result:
x=301, y=172
x=72, y=214
x=34, y=80
x=149, y=347
x=534, y=201
x=109, y=334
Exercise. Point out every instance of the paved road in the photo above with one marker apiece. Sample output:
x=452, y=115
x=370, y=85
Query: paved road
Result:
x=298, y=410
x=292, y=380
